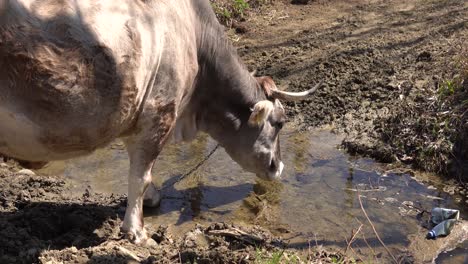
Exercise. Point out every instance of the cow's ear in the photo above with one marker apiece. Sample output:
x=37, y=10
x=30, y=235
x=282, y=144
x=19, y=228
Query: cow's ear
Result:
x=260, y=112
x=267, y=84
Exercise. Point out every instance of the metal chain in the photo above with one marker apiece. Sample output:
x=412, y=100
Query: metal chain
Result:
x=183, y=176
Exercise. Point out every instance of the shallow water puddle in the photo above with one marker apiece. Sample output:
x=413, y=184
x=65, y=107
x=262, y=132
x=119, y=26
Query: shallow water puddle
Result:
x=316, y=202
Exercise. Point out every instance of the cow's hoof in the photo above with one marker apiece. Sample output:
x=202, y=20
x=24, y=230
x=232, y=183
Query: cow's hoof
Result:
x=138, y=237
x=152, y=197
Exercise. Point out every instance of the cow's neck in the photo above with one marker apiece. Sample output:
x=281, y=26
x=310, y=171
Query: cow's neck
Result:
x=225, y=90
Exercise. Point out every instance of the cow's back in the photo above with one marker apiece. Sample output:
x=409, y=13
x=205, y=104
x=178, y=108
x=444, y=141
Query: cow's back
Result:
x=72, y=74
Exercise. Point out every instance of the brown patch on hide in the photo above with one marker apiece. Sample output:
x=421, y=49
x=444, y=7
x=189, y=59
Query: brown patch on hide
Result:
x=73, y=88
x=163, y=122
x=92, y=97
x=155, y=126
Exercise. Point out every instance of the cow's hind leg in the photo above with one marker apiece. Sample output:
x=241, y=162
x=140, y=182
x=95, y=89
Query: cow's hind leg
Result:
x=143, y=149
x=152, y=196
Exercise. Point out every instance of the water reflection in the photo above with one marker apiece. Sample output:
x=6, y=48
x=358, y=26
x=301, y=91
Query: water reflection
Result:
x=350, y=195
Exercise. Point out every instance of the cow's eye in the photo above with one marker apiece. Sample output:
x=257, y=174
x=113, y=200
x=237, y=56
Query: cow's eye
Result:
x=279, y=124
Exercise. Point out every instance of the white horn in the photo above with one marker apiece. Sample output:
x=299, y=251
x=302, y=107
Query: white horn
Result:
x=291, y=96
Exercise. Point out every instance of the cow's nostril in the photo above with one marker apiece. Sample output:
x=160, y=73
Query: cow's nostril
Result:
x=273, y=165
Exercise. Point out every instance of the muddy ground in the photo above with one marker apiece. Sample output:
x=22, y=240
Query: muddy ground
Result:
x=383, y=63
x=395, y=74
x=41, y=222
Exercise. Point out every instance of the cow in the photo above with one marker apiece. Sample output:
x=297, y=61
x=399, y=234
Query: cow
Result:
x=76, y=75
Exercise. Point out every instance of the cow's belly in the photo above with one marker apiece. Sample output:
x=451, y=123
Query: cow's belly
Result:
x=20, y=138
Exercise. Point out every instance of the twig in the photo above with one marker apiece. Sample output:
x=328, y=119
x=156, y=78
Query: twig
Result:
x=353, y=238
x=238, y=234
x=354, y=252
x=373, y=228
x=364, y=238
x=378, y=189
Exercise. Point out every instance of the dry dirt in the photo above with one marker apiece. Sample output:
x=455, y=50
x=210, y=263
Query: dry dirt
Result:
x=377, y=58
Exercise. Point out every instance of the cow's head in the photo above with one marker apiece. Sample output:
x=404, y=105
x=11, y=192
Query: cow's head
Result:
x=257, y=148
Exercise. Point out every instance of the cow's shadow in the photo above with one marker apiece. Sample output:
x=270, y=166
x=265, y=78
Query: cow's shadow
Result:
x=35, y=226
x=192, y=202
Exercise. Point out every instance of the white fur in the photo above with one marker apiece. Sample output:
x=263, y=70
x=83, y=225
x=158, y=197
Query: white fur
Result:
x=260, y=112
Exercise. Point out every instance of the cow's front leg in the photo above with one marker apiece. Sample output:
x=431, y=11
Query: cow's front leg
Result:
x=154, y=127
x=139, y=180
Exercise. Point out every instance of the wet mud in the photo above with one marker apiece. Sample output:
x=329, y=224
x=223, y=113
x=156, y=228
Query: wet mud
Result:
x=220, y=214
x=43, y=220
x=378, y=59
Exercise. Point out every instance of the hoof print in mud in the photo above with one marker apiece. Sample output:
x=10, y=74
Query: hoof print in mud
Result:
x=424, y=56
x=240, y=28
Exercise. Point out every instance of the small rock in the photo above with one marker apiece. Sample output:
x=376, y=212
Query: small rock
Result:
x=449, y=189
x=24, y=195
x=365, y=103
x=150, y=243
x=264, y=53
x=194, y=238
x=129, y=253
x=26, y=172
x=53, y=261
x=408, y=203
